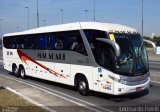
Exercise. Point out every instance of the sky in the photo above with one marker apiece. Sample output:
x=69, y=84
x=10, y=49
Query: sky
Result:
x=126, y=12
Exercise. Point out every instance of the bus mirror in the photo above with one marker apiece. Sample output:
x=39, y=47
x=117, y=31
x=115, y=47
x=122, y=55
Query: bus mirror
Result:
x=153, y=44
x=113, y=44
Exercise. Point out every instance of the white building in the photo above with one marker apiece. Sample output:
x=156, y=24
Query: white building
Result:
x=153, y=35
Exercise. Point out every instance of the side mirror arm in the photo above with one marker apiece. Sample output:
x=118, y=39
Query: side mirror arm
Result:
x=113, y=44
x=153, y=44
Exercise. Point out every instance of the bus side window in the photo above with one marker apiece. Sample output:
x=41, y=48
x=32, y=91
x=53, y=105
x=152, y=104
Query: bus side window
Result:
x=14, y=45
x=76, y=43
x=59, y=43
x=20, y=42
x=52, y=40
x=41, y=41
x=49, y=42
x=31, y=44
x=7, y=42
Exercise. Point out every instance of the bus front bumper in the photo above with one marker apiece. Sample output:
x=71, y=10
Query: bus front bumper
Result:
x=122, y=89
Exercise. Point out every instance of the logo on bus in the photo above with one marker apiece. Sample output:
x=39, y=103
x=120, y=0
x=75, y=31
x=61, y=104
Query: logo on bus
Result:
x=99, y=70
x=57, y=56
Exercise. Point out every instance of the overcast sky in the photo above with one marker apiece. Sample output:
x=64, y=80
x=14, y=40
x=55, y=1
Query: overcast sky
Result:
x=126, y=12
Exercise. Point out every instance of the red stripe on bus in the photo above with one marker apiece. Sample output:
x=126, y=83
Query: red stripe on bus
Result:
x=24, y=58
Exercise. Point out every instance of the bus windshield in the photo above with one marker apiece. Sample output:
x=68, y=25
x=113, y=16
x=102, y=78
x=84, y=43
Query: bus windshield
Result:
x=133, y=59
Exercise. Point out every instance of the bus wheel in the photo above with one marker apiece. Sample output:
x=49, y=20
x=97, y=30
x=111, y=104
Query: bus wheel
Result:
x=15, y=71
x=22, y=73
x=83, y=86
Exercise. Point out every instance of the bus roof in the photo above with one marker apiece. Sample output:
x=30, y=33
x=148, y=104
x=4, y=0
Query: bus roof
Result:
x=108, y=27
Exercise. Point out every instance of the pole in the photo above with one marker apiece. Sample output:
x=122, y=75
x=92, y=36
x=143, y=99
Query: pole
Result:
x=142, y=19
x=28, y=16
x=44, y=22
x=94, y=18
x=62, y=14
x=17, y=28
x=86, y=11
x=37, y=15
x=1, y=27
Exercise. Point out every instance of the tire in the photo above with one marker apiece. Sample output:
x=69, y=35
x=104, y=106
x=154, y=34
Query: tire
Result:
x=83, y=86
x=22, y=73
x=15, y=71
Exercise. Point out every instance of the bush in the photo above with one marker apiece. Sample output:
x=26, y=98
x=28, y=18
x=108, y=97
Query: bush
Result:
x=156, y=40
x=147, y=44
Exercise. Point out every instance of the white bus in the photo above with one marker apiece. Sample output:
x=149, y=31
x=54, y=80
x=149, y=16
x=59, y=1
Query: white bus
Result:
x=103, y=57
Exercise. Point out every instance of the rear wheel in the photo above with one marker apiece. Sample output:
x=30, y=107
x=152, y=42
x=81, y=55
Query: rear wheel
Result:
x=83, y=86
x=15, y=71
x=22, y=73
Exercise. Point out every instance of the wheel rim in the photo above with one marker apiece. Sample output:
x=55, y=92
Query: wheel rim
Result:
x=15, y=70
x=22, y=73
x=82, y=86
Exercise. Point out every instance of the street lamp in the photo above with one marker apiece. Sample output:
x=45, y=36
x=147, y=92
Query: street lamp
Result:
x=94, y=18
x=44, y=22
x=62, y=15
x=37, y=14
x=1, y=27
x=142, y=18
x=28, y=16
x=86, y=11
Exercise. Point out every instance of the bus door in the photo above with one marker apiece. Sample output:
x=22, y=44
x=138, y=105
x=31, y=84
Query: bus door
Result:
x=105, y=58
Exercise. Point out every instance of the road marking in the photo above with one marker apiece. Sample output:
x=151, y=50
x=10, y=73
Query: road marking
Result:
x=154, y=63
x=30, y=100
x=80, y=104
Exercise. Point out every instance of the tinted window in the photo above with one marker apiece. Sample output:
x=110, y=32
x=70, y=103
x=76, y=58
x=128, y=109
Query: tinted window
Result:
x=14, y=42
x=70, y=40
x=38, y=41
x=105, y=56
x=92, y=35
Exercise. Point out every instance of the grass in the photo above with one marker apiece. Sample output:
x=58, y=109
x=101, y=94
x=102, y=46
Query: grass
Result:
x=12, y=102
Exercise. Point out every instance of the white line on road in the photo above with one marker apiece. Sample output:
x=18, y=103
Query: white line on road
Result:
x=154, y=63
x=30, y=100
x=80, y=104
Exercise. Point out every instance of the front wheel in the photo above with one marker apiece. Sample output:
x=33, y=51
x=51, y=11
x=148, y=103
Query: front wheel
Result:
x=83, y=86
x=22, y=73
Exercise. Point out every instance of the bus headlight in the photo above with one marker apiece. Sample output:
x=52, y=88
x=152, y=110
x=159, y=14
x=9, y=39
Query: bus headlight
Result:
x=118, y=80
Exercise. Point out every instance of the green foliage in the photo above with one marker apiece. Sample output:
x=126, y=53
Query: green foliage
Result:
x=156, y=40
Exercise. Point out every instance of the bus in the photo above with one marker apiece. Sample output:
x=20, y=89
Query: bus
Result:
x=103, y=57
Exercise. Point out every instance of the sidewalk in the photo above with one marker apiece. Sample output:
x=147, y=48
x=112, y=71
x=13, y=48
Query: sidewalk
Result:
x=11, y=102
